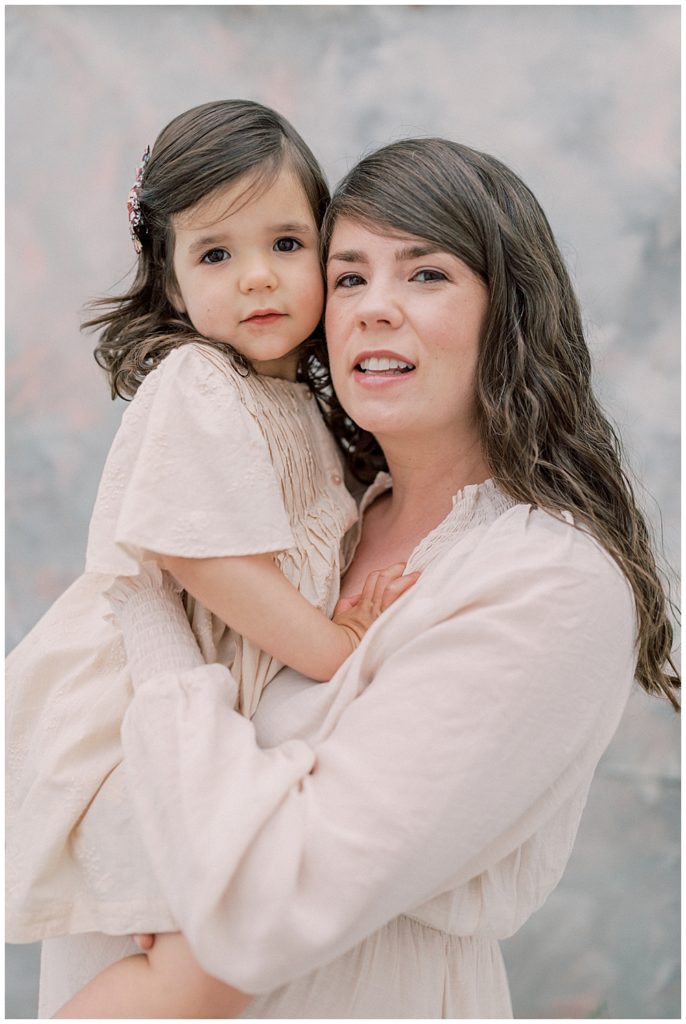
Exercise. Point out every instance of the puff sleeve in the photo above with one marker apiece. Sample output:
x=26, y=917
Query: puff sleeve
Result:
x=189, y=472
x=472, y=710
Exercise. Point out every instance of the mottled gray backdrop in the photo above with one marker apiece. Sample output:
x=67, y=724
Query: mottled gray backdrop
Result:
x=583, y=101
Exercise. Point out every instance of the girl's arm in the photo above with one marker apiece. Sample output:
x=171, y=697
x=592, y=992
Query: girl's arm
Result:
x=164, y=983
x=251, y=594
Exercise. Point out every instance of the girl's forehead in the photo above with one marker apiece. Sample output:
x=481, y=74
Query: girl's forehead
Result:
x=262, y=187
x=220, y=202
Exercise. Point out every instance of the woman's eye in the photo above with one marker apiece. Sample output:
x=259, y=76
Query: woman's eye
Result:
x=287, y=245
x=348, y=281
x=427, y=276
x=216, y=256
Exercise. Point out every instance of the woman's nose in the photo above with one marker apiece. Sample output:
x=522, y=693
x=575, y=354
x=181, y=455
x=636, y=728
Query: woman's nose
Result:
x=379, y=308
x=257, y=275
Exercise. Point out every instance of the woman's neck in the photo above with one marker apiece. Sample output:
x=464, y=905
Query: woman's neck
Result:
x=425, y=481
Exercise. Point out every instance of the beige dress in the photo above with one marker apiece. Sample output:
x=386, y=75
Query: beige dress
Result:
x=392, y=825
x=206, y=463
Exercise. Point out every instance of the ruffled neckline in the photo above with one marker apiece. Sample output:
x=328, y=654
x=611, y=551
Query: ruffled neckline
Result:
x=488, y=490
x=473, y=505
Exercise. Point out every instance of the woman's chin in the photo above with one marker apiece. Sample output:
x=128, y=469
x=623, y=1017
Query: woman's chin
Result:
x=385, y=423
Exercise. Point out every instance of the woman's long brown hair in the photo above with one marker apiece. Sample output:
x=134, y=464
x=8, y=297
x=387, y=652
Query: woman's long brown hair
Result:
x=544, y=436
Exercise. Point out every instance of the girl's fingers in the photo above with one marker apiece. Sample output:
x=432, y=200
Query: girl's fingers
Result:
x=144, y=942
x=366, y=602
x=396, y=587
x=345, y=604
x=372, y=597
x=382, y=579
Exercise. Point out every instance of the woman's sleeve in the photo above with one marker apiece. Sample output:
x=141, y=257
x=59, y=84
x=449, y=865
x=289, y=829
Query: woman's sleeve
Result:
x=189, y=473
x=486, y=683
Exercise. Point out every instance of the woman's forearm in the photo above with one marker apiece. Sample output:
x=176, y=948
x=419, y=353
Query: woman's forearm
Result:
x=455, y=753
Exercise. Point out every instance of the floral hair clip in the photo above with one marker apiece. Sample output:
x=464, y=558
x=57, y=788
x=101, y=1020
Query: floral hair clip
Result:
x=133, y=204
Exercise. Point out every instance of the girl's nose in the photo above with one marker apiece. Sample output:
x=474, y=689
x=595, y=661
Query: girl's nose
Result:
x=256, y=276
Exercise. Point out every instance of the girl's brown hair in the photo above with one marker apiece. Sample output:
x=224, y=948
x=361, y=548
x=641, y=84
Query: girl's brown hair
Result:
x=198, y=152
x=543, y=433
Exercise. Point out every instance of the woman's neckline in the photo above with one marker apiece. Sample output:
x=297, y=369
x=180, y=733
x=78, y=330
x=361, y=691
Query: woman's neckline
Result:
x=384, y=482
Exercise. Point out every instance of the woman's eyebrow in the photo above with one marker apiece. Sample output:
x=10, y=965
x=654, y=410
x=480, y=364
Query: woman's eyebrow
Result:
x=415, y=252
x=348, y=256
x=408, y=252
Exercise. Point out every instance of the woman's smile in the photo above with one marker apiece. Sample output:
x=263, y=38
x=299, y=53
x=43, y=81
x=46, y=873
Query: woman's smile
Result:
x=403, y=326
x=380, y=367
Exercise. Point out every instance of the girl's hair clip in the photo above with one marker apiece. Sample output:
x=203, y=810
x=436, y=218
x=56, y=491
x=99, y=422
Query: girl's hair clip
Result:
x=133, y=204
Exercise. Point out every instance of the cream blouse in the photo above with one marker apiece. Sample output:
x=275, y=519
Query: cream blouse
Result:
x=359, y=847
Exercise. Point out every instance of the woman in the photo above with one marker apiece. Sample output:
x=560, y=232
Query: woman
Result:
x=399, y=821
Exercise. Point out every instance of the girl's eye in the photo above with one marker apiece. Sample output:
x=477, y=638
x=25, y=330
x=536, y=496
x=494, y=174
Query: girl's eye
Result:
x=287, y=245
x=428, y=276
x=348, y=281
x=216, y=256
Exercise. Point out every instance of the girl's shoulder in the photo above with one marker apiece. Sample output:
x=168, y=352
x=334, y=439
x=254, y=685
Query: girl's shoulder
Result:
x=192, y=374
x=191, y=362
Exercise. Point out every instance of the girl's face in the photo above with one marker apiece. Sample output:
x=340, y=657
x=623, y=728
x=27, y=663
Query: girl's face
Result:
x=248, y=273
x=403, y=324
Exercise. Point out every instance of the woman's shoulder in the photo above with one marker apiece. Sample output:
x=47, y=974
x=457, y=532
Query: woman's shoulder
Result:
x=531, y=531
x=528, y=549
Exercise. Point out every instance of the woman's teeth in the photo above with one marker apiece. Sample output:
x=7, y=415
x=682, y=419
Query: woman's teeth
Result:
x=382, y=364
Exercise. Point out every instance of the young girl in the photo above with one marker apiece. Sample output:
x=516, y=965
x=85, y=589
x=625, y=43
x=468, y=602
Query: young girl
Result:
x=224, y=473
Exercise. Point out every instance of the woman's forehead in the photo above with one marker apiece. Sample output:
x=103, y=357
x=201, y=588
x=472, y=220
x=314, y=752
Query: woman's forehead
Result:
x=352, y=231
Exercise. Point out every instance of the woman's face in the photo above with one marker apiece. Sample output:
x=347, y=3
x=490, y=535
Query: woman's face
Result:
x=403, y=324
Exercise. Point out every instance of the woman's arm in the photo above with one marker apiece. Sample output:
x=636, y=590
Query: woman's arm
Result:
x=252, y=595
x=486, y=686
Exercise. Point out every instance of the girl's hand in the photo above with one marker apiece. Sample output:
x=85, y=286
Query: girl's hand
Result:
x=380, y=590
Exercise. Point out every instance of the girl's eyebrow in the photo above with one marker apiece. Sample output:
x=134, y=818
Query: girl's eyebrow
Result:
x=293, y=227
x=408, y=252
x=207, y=241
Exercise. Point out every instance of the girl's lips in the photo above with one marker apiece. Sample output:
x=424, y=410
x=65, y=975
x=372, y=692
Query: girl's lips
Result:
x=263, y=318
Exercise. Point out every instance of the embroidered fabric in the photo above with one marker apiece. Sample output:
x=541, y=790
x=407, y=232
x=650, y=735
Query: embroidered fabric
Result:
x=206, y=463
x=474, y=505
x=157, y=644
